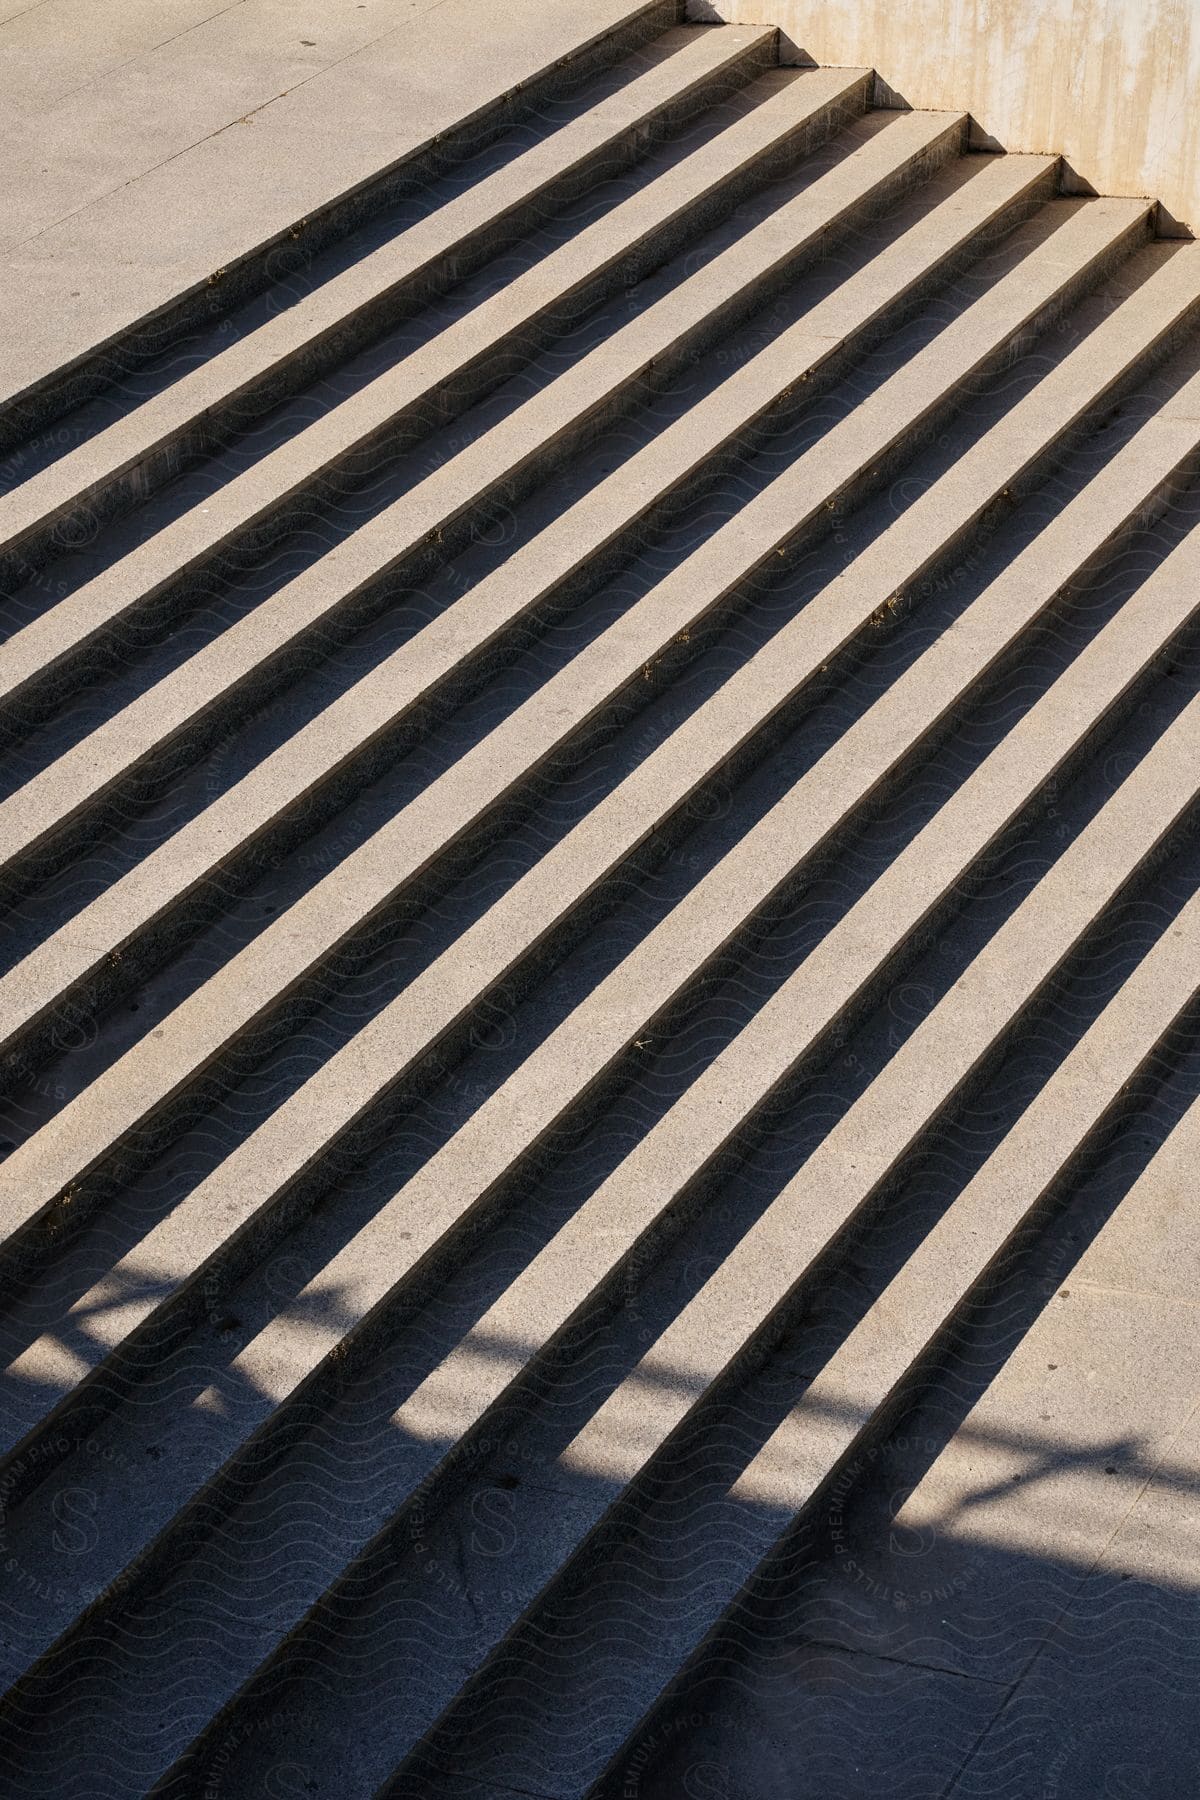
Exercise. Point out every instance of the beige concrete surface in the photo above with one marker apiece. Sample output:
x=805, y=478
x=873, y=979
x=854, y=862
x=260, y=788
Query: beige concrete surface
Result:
x=623, y=865
x=435, y=251
x=147, y=146
x=34, y=1177
x=1110, y=85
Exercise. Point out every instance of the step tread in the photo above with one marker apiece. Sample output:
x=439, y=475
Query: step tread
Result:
x=836, y=1414
x=144, y=241
x=907, y=1096
x=640, y=220
x=844, y=778
x=108, y=754
x=692, y=952
x=539, y=1302
x=39, y=1171
x=698, y=52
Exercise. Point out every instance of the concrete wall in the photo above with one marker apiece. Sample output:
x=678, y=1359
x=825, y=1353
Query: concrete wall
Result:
x=1111, y=84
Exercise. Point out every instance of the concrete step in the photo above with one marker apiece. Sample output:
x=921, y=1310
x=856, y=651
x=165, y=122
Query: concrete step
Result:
x=1145, y=1199
x=114, y=1113
x=457, y=367
x=182, y=713
x=826, y=803
x=840, y=1411
x=831, y=560
x=900, y=1107
x=275, y=1369
x=404, y=686
x=224, y=394
x=302, y=199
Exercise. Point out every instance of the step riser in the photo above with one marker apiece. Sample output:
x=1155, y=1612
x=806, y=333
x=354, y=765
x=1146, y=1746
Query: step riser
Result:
x=75, y=384
x=240, y=549
x=25, y=1049
x=787, y=858
x=24, y=1054
x=1082, y=1151
x=301, y=1652
x=112, y=1167
x=303, y=1649
x=26, y=552
x=154, y=771
x=368, y=1338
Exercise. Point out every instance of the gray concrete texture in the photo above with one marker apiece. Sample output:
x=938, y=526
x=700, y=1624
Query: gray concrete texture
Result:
x=600, y=993
x=116, y=163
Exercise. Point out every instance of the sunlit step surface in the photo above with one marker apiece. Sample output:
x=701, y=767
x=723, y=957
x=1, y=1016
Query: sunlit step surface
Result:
x=571, y=765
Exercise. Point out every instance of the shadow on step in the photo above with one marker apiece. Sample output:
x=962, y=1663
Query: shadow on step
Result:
x=1009, y=1536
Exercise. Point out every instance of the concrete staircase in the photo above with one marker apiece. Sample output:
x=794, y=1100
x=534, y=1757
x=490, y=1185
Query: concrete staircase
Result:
x=548, y=753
